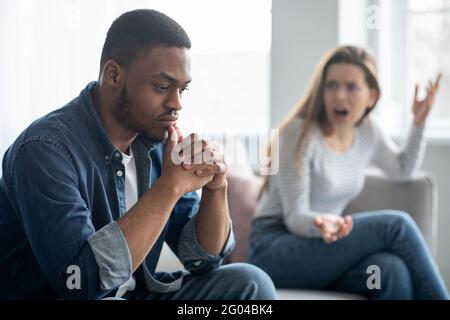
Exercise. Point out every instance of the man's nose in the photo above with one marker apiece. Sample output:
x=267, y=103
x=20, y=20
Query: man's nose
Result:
x=175, y=101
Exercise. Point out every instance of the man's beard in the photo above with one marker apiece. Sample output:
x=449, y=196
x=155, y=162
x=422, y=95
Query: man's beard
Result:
x=123, y=111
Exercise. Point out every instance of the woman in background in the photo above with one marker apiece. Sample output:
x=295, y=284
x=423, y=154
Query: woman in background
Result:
x=299, y=236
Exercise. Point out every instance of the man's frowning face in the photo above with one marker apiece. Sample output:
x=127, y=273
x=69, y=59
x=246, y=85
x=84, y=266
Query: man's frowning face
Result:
x=150, y=98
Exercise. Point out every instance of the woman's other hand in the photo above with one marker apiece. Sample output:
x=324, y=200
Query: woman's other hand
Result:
x=333, y=227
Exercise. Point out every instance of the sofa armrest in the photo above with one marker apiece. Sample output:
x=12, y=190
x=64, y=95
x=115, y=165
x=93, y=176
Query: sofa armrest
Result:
x=418, y=197
x=242, y=199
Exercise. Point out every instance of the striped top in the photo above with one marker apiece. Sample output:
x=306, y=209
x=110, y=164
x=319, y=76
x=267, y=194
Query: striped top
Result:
x=329, y=179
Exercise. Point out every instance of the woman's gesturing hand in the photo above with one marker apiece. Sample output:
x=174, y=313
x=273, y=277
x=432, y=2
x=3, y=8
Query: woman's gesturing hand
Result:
x=421, y=108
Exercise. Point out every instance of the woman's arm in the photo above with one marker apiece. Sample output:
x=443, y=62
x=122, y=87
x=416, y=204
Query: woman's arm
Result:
x=294, y=189
x=401, y=164
x=295, y=198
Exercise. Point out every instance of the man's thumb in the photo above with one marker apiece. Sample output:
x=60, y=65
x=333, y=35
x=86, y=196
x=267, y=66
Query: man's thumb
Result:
x=171, y=146
x=172, y=138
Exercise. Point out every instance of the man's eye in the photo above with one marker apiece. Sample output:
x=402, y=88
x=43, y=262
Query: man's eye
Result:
x=181, y=90
x=161, y=88
x=352, y=87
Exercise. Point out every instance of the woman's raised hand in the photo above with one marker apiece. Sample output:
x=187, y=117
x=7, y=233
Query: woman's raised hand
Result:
x=421, y=108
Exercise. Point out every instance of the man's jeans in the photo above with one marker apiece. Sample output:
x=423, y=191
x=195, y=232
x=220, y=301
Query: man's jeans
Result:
x=386, y=239
x=237, y=281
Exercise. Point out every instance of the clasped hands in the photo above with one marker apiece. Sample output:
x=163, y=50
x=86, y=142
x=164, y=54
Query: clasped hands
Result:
x=202, y=165
x=333, y=227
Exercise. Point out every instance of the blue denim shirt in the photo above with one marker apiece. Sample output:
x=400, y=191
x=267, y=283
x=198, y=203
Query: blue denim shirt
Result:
x=62, y=190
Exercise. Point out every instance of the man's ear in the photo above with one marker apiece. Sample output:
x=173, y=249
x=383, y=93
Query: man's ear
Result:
x=113, y=74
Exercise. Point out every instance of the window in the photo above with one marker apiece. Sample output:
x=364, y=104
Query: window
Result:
x=428, y=48
x=230, y=64
x=410, y=39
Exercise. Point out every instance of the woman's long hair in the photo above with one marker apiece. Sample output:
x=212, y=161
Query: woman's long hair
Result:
x=311, y=107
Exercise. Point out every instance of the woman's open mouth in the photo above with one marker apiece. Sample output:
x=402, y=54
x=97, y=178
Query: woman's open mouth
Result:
x=341, y=112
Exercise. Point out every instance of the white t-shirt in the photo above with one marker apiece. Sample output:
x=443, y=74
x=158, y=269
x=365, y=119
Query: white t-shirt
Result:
x=131, y=197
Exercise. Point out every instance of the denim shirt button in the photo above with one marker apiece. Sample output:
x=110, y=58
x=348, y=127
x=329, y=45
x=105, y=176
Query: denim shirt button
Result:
x=119, y=173
x=117, y=154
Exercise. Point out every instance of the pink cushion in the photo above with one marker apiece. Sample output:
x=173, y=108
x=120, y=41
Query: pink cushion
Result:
x=242, y=199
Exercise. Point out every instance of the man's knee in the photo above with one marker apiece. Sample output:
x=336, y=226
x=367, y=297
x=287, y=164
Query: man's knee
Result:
x=253, y=283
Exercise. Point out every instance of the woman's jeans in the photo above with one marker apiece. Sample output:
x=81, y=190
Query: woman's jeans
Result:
x=387, y=241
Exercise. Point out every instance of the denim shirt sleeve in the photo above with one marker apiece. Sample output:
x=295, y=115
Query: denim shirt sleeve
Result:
x=57, y=220
x=194, y=257
x=182, y=237
x=113, y=257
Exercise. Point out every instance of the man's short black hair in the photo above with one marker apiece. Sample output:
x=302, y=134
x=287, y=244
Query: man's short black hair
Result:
x=136, y=30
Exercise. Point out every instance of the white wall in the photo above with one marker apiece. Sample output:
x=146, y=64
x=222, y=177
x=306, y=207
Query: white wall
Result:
x=301, y=32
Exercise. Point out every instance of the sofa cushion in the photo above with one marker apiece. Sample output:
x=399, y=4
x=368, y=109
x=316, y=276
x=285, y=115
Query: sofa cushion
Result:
x=243, y=195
